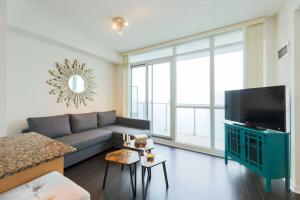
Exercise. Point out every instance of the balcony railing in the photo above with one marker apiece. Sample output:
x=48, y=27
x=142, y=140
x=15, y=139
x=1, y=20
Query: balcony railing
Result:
x=192, y=135
x=161, y=111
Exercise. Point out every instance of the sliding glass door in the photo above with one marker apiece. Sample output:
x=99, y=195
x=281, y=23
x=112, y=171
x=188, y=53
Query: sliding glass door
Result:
x=150, y=95
x=160, y=98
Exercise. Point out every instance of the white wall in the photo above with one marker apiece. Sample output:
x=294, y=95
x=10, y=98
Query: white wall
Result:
x=3, y=28
x=28, y=60
x=296, y=185
x=287, y=73
x=119, y=90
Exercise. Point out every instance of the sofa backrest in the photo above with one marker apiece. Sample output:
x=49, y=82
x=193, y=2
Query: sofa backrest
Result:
x=83, y=122
x=106, y=118
x=62, y=125
x=52, y=126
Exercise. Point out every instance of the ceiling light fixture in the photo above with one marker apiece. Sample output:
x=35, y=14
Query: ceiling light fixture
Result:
x=118, y=24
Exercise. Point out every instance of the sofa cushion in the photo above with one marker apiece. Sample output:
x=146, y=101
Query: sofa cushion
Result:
x=86, y=139
x=83, y=122
x=53, y=126
x=106, y=118
x=118, y=131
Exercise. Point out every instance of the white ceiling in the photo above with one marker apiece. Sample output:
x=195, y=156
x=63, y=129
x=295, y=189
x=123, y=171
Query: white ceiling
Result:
x=151, y=21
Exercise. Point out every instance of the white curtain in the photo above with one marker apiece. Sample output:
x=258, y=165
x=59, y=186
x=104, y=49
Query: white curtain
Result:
x=254, y=55
x=126, y=89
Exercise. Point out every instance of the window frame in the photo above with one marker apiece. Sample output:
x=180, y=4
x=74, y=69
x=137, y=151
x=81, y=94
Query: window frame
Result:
x=173, y=88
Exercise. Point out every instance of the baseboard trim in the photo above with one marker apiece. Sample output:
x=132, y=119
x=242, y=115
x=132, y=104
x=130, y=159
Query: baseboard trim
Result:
x=295, y=189
x=189, y=147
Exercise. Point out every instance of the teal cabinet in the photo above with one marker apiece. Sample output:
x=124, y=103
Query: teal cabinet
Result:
x=265, y=152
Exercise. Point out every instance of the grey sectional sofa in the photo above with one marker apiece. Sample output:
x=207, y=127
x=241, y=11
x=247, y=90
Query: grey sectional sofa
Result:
x=89, y=133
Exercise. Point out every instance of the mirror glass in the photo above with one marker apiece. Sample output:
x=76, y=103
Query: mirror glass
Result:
x=76, y=83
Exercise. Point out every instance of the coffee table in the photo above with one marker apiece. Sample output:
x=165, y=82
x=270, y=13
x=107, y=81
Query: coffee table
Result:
x=124, y=157
x=130, y=145
x=146, y=166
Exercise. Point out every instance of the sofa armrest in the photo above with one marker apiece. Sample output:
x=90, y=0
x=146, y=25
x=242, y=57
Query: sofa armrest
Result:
x=134, y=123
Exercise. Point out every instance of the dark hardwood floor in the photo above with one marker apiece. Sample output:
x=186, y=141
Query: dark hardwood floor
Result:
x=191, y=176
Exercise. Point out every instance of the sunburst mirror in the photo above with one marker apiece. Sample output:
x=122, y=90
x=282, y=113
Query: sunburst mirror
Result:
x=73, y=83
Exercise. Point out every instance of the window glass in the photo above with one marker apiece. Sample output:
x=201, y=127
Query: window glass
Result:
x=185, y=121
x=228, y=71
x=193, y=126
x=138, y=92
x=193, y=79
x=161, y=98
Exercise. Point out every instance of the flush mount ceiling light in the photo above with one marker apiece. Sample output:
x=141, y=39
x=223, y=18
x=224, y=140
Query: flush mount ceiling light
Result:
x=118, y=24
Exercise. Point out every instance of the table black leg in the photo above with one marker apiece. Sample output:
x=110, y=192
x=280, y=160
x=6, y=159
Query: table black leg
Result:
x=105, y=175
x=149, y=173
x=166, y=176
x=134, y=179
x=132, y=170
x=122, y=167
x=143, y=181
x=131, y=179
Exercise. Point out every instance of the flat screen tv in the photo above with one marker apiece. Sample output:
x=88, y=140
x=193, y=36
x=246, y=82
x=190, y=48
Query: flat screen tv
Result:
x=257, y=107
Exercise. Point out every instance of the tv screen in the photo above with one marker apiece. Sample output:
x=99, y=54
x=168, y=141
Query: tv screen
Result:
x=260, y=107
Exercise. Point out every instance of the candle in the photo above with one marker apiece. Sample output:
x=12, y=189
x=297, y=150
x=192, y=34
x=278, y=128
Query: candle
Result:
x=123, y=137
